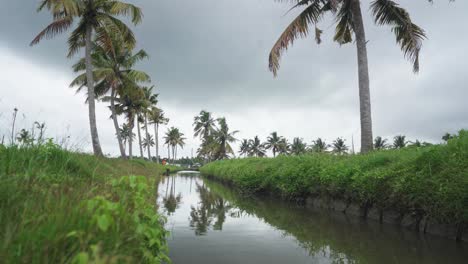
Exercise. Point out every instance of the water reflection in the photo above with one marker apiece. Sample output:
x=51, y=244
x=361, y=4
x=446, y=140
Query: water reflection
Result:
x=210, y=223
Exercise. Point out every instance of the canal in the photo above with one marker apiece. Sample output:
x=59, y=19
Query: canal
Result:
x=211, y=223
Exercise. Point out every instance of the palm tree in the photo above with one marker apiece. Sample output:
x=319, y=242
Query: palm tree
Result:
x=284, y=147
x=319, y=145
x=350, y=22
x=156, y=117
x=140, y=120
x=399, y=142
x=298, y=147
x=380, y=143
x=274, y=143
x=339, y=146
x=257, y=149
x=24, y=137
x=447, y=136
x=126, y=134
x=113, y=71
x=150, y=100
x=204, y=125
x=244, y=148
x=93, y=15
x=148, y=142
x=174, y=139
x=222, y=138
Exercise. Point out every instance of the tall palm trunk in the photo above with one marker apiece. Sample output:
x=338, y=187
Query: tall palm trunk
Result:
x=116, y=125
x=139, y=137
x=363, y=73
x=147, y=137
x=130, y=139
x=156, y=141
x=91, y=95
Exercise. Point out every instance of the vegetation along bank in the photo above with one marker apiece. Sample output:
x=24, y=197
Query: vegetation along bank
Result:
x=423, y=188
x=62, y=207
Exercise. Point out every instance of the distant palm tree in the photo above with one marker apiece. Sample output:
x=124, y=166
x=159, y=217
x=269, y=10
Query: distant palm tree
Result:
x=223, y=137
x=244, y=148
x=319, y=145
x=150, y=101
x=24, y=137
x=256, y=149
x=298, y=147
x=380, y=143
x=339, y=146
x=447, y=137
x=274, y=143
x=93, y=15
x=399, y=142
x=350, y=22
x=174, y=139
x=284, y=147
x=148, y=142
x=157, y=118
x=204, y=125
x=126, y=134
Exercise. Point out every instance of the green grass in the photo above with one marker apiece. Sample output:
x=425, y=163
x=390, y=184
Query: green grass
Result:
x=62, y=207
x=431, y=181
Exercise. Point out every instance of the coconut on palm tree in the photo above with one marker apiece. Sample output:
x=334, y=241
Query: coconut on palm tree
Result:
x=349, y=24
x=94, y=16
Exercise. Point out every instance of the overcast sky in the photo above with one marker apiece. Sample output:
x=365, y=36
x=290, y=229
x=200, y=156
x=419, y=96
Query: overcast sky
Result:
x=213, y=55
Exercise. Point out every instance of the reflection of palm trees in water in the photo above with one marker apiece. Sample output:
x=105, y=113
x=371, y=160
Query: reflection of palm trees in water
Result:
x=171, y=201
x=212, y=208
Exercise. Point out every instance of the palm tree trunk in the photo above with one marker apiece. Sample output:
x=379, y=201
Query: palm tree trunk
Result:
x=139, y=137
x=130, y=140
x=363, y=72
x=168, y=153
x=116, y=125
x=91, y=95
x=147, y=137
x=156, y=141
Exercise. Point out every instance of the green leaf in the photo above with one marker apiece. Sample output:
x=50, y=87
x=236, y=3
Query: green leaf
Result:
x=104, y=222
x=81, y=258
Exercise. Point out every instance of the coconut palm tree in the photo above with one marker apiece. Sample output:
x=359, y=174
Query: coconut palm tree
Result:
x=399, y=142
x=274, y=143
x=97, y=16
x=339, y=146
x=139, y=121
x=204, y=125
x=447, y=136
x=113, y=72
x=148, y=142
x=350, y=23
x=244, y=147
x=284, y=147
x=174, y=139
x=150, y=100
x=380, y=143
x=126, y=134
x=24, y=137
x=257, y=149
x=157, y=118
x=319, y=145
x=298, y=146
x=222, y=138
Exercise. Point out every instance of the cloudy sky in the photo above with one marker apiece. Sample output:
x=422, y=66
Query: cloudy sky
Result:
x=212, y=55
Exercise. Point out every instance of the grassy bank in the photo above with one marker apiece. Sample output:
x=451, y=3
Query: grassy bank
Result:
x=429, y=181
x=63, y=207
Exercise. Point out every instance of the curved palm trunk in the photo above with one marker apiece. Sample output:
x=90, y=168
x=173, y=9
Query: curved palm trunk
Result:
x=139, y=138
x=156, y=141
x=147, y=137
x=116, y=125
x=91, y=96
x=363, y=72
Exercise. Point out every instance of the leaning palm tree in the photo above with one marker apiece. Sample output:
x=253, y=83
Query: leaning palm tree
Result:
x=244, y=147
x=339, y=146
x=113, y=72
x=274, y=143
x=380, y=143
x=257, y=149
x=350, y=22
x=93, y=16
x=157, y=118
x=223, y=137
x=298, y=147
x=319, y=145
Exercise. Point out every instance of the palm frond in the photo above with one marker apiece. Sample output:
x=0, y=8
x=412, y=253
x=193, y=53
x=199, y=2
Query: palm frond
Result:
x=299, y=27
x=125, y=9
x=76, y=39
x=344, y=27
x=53, y=29
x=408, y=35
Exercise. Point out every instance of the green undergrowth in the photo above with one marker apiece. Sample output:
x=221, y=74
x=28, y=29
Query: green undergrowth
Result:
x=62, y=207
x=431, y=181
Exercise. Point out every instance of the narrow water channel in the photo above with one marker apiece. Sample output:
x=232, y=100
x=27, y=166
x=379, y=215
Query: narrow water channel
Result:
x=210, y=223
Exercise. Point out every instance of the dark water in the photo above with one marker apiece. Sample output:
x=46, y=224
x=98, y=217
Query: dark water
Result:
x=210, y=223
